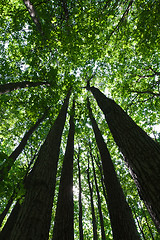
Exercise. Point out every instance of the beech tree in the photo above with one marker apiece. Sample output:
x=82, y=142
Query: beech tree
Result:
x=48, y=48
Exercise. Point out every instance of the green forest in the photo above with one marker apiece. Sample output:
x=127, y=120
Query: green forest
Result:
x=80, y=119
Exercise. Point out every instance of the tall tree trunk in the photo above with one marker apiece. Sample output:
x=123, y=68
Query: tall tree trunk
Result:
x=8, y=227
x=80, y=199
x=94, y=222
x=5, y=211
x=98, y=197
x=8, y=87
x=64, y=218
x=123, y=225
x=141, y=153
x=33, y=221
x=20, y=148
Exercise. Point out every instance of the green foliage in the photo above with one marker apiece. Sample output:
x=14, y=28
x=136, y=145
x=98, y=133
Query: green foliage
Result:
x=112, y=43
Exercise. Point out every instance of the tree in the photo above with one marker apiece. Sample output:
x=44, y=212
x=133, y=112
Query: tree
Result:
x=80, y=199
x=122, y=222
x=40, y=186
x=138, y=149
x=13, y=156
x=94, y=221
x=7, y=229
x=64, y=218
x=114, y=44
x=8, y=87
x=99, y=199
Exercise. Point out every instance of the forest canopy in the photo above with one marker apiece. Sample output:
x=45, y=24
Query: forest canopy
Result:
x=56, y=59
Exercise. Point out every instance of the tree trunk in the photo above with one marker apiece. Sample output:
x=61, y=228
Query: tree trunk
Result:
x=8, y=227
x=139, y=225
x=8, y=87
x=19, y=148
x=80, y=200
x=33, y=221
x=33, y=15
x=64, y=218
x=98, y=197
x=141, y=153
x=102, y=179
x=5, y=211
x=123, y=225
x=94, y=222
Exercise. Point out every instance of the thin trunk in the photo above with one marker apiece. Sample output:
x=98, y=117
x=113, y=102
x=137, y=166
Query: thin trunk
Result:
x=33, y=221
x=15, y=211
x=123, y=225
x=99, y=199
x=102, y=180
x=94, y=222
x=145, y=216
x=8, y=87
x=8, y=227
x=64, y=218
x=25, y=138
x=141, y=153
x=139, y=225
x=5, y=211
x=80, y=200
x=19, y=148
x=33, y=15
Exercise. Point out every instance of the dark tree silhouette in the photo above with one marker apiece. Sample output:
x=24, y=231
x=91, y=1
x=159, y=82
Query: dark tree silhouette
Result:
x=8, y=87
x=141, y=153
x=80, y=199
x=34, y=218
x=122, y=222
x=63, y=224
x=94, y=221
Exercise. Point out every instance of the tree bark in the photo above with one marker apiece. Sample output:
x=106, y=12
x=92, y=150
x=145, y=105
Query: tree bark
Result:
x=80, y=200
x=33, y=15
x=64, y=218
x=141, y=153
x=102, y=179
x=20, y=148
x=8, y=87
x=5, y=211
x=94, y=222
x=98, y=197
x=33, y=221
x=8, y=227
x=123, y=225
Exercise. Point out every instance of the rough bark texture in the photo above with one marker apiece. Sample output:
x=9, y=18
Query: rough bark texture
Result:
x=80, y=200
x=33, y=221
x=8, y=227
x=141, y=153
x=94, y=222
x=8, y=87
x=103, y=236
x=123, y=225
x=64, y=218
